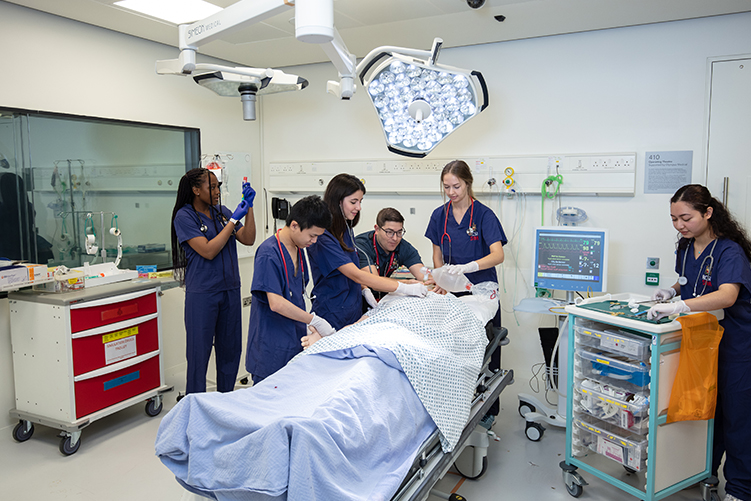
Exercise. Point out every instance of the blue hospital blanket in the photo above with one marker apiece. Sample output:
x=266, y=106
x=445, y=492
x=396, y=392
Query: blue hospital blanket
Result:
x=341, y=426
x=439, y=344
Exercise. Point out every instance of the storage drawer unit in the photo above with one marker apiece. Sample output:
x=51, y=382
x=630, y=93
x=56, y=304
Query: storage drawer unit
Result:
x=82, y=355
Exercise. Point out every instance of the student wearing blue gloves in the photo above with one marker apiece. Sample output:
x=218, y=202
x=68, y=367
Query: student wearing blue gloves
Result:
x=204, y=257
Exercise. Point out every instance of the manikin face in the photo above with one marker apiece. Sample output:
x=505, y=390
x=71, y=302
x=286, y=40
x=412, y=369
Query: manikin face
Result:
x=392, y=228
x=351, y=205
x=455, y=188
x=208, y=192
x=689, y=222
x=307, y=237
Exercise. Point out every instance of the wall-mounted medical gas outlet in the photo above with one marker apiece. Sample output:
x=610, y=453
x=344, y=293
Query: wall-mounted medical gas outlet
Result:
x=247, y=301
x=652, y=279
x=653, y=263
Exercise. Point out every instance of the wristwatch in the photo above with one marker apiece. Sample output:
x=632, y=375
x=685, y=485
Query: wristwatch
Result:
x=233, y=221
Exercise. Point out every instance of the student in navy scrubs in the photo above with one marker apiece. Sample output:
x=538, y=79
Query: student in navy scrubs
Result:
x=204, y=257
x=335, y=264
x=278, y=319
x=383, y=250
x=712, y=261
x=468, y=237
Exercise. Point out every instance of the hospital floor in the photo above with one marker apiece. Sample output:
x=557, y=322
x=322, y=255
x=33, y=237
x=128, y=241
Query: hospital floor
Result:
x=116, y=462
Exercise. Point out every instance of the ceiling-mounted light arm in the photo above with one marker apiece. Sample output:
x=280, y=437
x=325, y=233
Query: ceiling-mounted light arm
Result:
x=434, y=51
x=344, y=62
x=379, y=52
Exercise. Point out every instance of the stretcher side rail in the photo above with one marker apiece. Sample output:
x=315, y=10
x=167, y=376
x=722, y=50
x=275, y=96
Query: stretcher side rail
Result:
x=432, y=463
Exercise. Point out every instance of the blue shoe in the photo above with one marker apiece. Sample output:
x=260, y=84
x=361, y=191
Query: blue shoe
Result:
x=487, y=421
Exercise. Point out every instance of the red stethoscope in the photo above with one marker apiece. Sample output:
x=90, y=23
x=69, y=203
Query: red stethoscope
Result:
x=378, y=261
x=284, y=262
x=471, y=230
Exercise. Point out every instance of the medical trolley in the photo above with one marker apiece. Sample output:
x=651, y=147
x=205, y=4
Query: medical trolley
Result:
x=80, y=356
x=620, y=375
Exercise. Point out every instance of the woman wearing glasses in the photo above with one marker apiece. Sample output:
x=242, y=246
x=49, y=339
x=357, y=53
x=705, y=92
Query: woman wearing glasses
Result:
x=383, y=250
x=337, y=276
x=468, y=237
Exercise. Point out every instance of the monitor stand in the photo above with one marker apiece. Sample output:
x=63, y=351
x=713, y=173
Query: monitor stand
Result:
x=531, y=408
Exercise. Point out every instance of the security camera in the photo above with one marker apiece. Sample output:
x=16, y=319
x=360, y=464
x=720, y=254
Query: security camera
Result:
x=475, y=4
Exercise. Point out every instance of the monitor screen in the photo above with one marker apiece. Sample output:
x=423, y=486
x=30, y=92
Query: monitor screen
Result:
x=571, y=258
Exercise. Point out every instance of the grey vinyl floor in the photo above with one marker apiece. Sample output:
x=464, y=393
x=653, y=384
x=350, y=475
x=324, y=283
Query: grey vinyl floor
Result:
x=116, y=462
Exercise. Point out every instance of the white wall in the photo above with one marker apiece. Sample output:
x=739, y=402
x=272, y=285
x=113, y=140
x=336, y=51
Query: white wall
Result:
x=57, y=65
x=632, y=89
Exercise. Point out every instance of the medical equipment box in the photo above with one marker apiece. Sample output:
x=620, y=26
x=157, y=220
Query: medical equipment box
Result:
x=70, y=281
x=604, y=337
x=11, y=275
x=598, y=365
x=608, y=440
x=614, y=405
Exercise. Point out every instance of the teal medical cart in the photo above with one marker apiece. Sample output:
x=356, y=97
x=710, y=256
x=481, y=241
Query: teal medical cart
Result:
x=620, y=375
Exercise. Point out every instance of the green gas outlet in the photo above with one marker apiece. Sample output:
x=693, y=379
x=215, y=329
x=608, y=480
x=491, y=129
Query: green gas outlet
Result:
x=652, y=279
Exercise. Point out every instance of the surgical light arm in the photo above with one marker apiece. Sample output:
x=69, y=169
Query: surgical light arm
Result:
x=314, y=23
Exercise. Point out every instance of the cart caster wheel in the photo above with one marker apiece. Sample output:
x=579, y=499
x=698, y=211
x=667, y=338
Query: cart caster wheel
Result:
x=20, y=434
x=575, y=490
x=179, y=397
x=152, y=409
x=629, y=470
x=456, y=497
x=66, y=448
x=525, y=408
x=244, y=381
x=534, y=431
x=482, y=471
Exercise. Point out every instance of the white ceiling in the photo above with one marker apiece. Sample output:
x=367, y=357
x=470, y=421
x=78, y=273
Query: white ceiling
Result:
x=366, y=24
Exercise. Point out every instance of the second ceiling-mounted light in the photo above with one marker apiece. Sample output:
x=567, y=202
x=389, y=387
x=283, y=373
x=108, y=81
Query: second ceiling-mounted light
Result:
x=419, y=102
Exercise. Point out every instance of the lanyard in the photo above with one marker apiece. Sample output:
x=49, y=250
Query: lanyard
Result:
x=378, y=261
x=284, y=262
x=470, y=230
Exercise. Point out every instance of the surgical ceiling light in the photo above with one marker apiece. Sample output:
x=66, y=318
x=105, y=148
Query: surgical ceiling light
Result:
x=419, y=102
x=237, y=83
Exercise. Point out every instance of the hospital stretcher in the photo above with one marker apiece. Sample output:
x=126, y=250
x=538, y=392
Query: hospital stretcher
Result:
x=470, y=454
x=423, y=454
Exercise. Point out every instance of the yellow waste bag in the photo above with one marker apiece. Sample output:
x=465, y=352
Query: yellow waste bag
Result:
x=694, y=394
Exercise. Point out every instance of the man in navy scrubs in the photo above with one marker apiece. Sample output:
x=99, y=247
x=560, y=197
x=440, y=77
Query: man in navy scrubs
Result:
x=383, y=250
x=278, y=319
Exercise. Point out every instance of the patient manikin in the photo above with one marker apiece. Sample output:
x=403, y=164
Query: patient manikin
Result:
x=483, y=302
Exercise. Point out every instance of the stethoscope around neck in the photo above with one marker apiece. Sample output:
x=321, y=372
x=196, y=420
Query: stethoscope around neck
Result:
x=201, y=225
x=682, y=280
x=286, y=273
x=471, y=229
x=378, y=261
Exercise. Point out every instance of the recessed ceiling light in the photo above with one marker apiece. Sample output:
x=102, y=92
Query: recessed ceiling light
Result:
x=174, y=11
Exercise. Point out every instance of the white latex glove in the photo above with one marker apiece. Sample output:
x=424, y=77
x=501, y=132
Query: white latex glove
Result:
x=425, y=273
x=321, y=325
x=664, y=294
x=659, y=311
x=418, y=290
x=455, y=269
x=369, y=298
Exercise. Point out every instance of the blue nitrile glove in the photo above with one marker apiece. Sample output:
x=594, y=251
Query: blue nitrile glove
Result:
x=242, y=209
x=248, y=194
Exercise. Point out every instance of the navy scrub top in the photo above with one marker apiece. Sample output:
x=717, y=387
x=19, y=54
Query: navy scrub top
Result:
x=207, y=275
x=336, y=298
x=404, y=254
x=730, y=267
x=462, y=247
x=273, y=339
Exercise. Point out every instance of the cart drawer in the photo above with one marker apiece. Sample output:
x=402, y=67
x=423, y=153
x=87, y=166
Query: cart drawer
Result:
x=97, y=351
x=108, y=389
x=84, y=318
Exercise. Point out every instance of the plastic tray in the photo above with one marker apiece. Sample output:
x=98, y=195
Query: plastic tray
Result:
x=597, y=365
x=606, y=337
x=613, y=405
x=609, y=441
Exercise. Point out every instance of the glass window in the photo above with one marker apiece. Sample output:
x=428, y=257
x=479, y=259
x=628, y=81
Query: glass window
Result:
x=63, y=178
